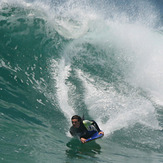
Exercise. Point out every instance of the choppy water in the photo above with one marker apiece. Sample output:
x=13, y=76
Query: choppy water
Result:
x=103, y=59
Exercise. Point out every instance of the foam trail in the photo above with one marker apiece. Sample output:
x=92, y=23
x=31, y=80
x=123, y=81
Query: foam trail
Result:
x=62, y=89
x=114, y=111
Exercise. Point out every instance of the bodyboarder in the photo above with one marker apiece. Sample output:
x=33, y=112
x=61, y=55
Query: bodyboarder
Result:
x=83, y=129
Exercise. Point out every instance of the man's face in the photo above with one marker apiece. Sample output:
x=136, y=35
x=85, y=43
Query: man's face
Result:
x=75, y=123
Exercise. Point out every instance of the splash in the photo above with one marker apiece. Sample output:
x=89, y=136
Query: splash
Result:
x=114, y=46
x=114, y=110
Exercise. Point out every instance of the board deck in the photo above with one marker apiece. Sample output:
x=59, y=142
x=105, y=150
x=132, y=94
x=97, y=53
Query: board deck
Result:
x=94, y=136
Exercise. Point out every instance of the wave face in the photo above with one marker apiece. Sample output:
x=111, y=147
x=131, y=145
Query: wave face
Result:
x=101, y=59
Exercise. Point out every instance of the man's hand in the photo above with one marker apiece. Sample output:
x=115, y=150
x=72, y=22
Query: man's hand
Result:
x=101, y=132
x=83, y=140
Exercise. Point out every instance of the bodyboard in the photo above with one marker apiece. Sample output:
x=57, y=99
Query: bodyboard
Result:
x=94, y=136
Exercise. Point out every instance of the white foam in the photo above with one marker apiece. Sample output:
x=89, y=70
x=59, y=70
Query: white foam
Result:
x=142, y=48
x=113, y=110
x=62, y=89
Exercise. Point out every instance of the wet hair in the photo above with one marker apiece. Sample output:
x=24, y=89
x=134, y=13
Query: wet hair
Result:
x=76, y=117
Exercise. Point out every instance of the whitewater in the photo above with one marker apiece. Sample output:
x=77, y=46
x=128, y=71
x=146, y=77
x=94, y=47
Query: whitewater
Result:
x=101, y=59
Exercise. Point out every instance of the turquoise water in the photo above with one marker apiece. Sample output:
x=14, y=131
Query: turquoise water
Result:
x=101, y=59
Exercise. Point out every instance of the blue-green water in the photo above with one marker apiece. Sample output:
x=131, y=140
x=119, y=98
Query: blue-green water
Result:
x=101, y=59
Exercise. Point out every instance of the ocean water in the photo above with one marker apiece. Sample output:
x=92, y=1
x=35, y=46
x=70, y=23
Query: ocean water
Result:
x=103, y=59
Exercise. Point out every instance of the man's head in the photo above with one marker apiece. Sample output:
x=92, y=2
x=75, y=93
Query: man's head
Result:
x=76, y=120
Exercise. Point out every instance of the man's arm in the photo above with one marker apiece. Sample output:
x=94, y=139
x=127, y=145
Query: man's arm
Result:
x=97, y=127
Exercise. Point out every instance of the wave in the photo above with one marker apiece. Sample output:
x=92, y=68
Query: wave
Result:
x=64, y=58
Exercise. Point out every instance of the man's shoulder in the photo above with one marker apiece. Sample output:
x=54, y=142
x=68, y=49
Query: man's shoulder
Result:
x=89, y=122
